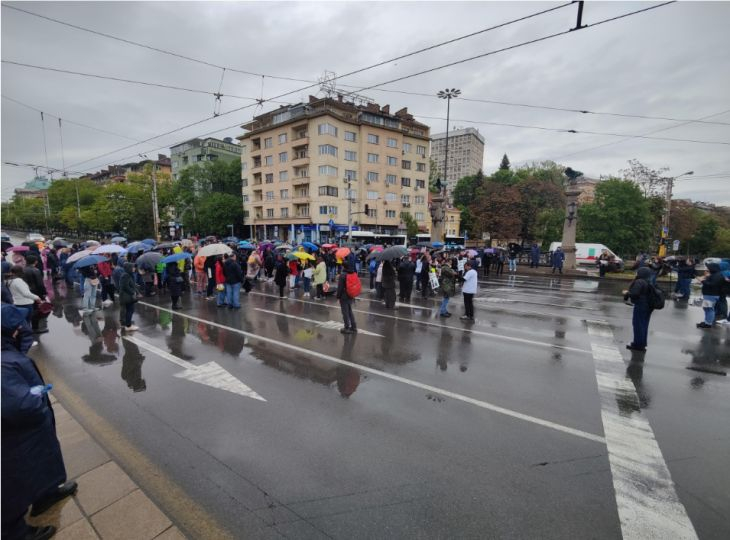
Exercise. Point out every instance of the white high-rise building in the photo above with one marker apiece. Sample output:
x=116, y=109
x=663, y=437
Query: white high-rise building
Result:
x=466, y=155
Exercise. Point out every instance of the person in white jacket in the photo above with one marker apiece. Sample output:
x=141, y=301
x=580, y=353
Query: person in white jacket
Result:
x=469, y=289
x=23, y=298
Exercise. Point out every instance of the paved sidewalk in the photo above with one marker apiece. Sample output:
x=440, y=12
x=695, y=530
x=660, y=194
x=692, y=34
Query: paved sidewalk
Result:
x=108, y=504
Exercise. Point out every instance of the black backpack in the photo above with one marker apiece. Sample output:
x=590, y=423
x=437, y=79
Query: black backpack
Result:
x=656, y=297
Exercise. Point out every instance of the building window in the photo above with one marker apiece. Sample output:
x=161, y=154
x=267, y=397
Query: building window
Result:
x=269, y=212
x=268, y=142
x=373, y=139
x=327, y=170
x=419, y=216
x=390, y=179
x=390, y=213
x=421, y=150
x=332, y=210
x=406, y=164
x=421, y=167
x=350, y=155
x=392, y=161
x=373, y=158
x=392, y=143
x=303, y=211
x=269, y=178
x=405, y=199
x=283, y=176
x=328, y=191
x=322, y=210
x=327, y=129
x=419, y=199
x=269, y=195
x=245, y=198
x=284, y=194
x=284, y=212
x=244, y=182
x=350, y=136
x=372, y=176
x=373, y=195
x=372, y=212
x=327, y=149
x=390, y=196
x=282, y=138
x=269, y=160
x=420, y=183
x=406, y=148
x=282, y=157
x=405, y=182
x=246, y=213
x=244, y=166
x=351, y=175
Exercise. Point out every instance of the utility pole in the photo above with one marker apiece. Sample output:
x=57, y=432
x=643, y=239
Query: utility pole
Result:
x=664, y=233
x=348, y=181
x=155, y=209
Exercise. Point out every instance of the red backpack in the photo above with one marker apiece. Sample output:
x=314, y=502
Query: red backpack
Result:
x=353, y=285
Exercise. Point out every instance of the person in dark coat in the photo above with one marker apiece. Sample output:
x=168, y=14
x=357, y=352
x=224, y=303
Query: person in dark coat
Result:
x=34, y=278
x=234, y=277
x=685, y=275
x=486, y=262
x=127, y=298
x=535, y=256
x=406, y=272
x=281, y=271
x=638, y=293
x=388, y=284
x=713, y=287
x=269, y=263
x=558, y=259
x=174, y=283
x=348, y=317
x=32, y=463
x=425, y=276
x=209, y=267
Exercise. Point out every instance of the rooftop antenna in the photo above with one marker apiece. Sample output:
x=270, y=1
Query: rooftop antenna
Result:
x=328, y=85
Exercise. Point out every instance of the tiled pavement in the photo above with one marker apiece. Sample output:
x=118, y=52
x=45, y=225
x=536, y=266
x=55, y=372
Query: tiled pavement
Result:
x=108, y=504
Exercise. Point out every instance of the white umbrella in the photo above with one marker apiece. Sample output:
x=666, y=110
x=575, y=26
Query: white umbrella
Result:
x=79, y=255
x=92, y=242
x=214, y=249
x=109, y=248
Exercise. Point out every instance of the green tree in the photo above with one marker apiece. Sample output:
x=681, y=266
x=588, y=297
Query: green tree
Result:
x=535, y=196
x=549, y=225
x=218, y=210
x=463, y=196
x=411, y=224
x=703, y=241
x=504, y=165
x=721, y=247
x=495, y=210
x=619, y=217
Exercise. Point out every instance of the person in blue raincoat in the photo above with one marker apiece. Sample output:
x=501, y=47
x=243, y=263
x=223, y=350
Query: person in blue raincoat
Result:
x=558, y=259
x=32, y=464
x=535, y=256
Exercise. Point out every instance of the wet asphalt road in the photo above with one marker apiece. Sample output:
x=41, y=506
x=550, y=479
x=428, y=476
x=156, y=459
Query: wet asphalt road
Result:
x=419, y=427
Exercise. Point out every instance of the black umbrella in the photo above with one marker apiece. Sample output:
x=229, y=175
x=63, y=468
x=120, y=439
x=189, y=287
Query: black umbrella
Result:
x=392, y=252
x=164, y=245
x=6, y=245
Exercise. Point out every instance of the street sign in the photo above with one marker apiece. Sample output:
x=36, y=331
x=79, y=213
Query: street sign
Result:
x=331, y=224
x=675, y=245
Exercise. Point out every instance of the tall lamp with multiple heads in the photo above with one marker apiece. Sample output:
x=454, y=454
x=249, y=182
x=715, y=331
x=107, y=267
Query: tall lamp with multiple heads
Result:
x=438, y=207
x=155, y=208
x=571, y=217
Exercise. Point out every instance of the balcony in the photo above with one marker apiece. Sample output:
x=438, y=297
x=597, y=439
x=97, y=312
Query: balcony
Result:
x=298, y=142
x=300, y=198
x=300, y=158
x=300, y=180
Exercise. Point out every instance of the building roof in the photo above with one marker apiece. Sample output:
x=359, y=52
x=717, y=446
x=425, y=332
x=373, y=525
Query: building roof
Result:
x=458, y=132
x=197, y=141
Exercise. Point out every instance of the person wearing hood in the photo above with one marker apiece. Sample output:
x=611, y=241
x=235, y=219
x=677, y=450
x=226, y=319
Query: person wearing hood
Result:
x=174, y=283
x=33, y=469
x=558, y=259
x=280, y=272
x=713, y=286
x=535, y=256
x=348, y=317
x=388, y=284
x=721, y=312
x=638, y=293
x=127, y=298
x=685, y=275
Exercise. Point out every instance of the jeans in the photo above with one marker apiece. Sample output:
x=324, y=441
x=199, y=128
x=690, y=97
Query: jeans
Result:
x=221, y=297
x=443, y=310
x=683, y=286
x=469, y=305
x=709, y=311
x=513, y=265
x=233, y=292
x=348, y=317
x=26, y=310
x=128, y=312
x=307, y=282
x=89, y=301
x=640, y=323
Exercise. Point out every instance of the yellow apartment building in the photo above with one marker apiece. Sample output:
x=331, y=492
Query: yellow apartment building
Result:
x=296, y=162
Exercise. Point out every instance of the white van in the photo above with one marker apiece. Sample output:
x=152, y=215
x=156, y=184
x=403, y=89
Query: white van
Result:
x=586, y=254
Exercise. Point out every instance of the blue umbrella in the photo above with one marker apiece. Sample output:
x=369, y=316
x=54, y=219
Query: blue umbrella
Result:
x=246, y=245
x=134, y=247
x=176, y=257
x=310, y=246
x=89, y=261
x=230, y=240
x=150, y=241
x=437, y=244
x=118, y=240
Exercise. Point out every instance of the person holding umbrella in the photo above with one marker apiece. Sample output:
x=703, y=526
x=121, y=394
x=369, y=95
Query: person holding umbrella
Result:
x=234, y=277
x=448, y=287
x=91, y=285
x=388, y=284
x=320, y=277
x=280, y=273
x=174, y=283
x=406, y=271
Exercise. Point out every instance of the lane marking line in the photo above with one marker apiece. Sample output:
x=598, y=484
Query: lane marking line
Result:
x=436, y=325
x=433, y=389
x=648, y=505
x=330, y=325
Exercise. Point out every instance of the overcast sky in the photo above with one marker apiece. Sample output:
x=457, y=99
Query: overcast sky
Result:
x=671, y=62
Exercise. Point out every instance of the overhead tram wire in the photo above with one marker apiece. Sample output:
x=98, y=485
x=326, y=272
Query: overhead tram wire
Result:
x=67, y=120
x=246, y=72
x=512, y=47
x=574, y=131
x=229, y=68
x=360, y=70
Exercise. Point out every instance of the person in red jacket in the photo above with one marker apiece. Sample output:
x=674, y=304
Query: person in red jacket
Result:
x=293, y=273
x=107, y=287
x=220, y=282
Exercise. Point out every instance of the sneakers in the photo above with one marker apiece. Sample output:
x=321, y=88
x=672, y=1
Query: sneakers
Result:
x=703, y=325
x=131, y=328
x=632, y=347
x=465, y=318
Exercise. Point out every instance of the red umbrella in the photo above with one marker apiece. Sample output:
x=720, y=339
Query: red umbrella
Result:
x=376, y=248
x=329, y=246
x=342, y=252
x=18, y=248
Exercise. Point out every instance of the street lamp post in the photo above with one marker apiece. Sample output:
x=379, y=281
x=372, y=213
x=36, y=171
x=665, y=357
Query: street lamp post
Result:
x=348, y=181
x=447, y=95
x=438, y=201
x=664, y=235
x=155, y=208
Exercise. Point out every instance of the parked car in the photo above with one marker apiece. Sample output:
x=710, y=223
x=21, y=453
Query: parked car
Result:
x=35, y=237
x=587, y=253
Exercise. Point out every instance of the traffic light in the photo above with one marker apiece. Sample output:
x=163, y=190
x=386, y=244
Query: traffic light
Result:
x=367, y=209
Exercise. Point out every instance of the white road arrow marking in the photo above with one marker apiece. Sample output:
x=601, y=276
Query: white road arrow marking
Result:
x=330, y=325
x=209, y=374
